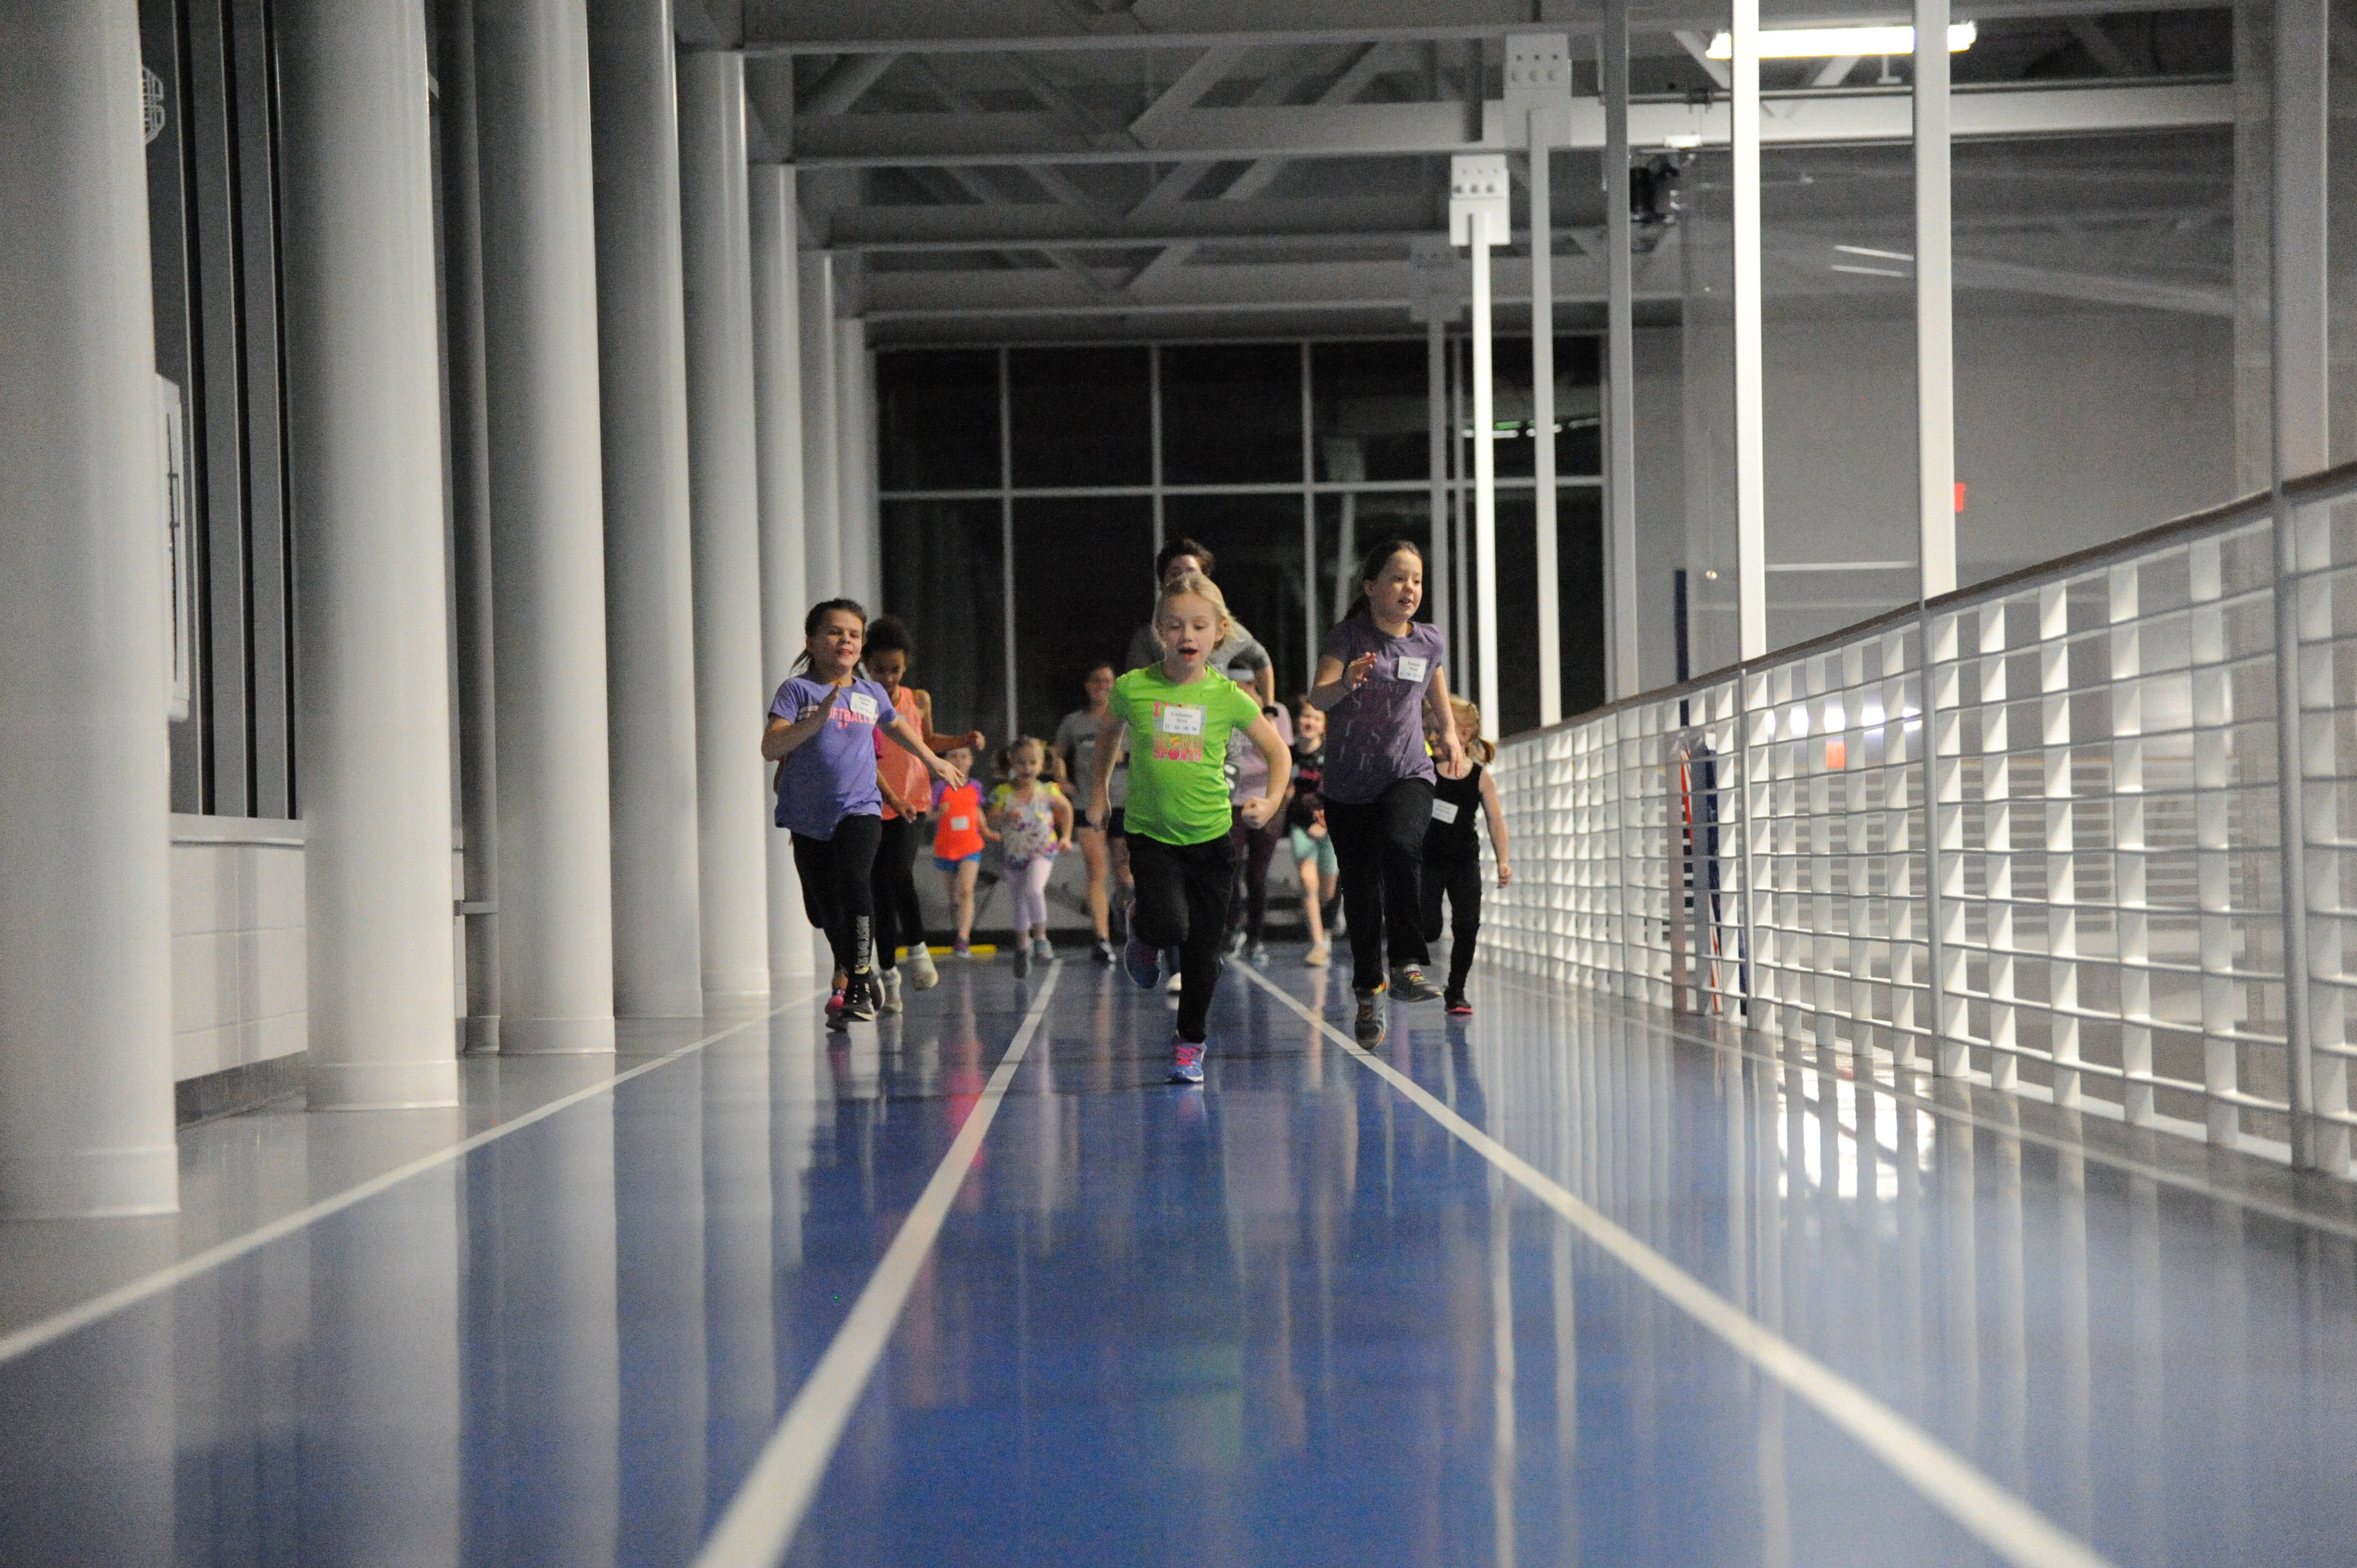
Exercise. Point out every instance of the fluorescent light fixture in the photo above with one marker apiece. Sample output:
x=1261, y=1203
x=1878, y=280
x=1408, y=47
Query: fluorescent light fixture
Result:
x=1834, y=43
x=1869, y=250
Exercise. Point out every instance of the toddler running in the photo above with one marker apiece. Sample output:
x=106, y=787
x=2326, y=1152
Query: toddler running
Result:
x=959, y=832
x=1305, y=822
x=1035, y=822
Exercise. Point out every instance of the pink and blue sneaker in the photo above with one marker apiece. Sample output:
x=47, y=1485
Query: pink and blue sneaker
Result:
x=1186, y=1063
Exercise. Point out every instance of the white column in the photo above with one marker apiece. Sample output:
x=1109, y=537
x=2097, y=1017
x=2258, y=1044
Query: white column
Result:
x=557, y=941
x=730, y=694
x=373, y=729
x=1750, y=474
x=855, y=513
x=777, y=428
x=821, y=500
x=1550, y=648
x=1620, y=366
x=85, y=914
x=1935, y=337
x=650, y=644
x=2302, y=190
x=1437, y=439
x=1485, y=483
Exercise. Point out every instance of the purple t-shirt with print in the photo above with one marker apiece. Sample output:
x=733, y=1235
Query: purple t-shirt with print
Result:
x=1374, y=736
x=832, y=775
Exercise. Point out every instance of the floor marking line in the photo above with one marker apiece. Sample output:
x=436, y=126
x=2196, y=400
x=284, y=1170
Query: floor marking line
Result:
x=1999, y=1520
x=2282, y=1212
x=777, y=1492
x=56, y=1327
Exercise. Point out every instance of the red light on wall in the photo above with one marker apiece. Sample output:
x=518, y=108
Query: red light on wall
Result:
x=1836, y=756
x=1960, y=498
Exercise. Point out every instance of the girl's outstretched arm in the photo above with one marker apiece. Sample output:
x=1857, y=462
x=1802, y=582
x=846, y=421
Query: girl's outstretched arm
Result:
x=1263, y=808
x=1336, y=681
x=1062, y=808
x=905, y=736
x=1495, y=810
x=784, y=736
x=1112, y=733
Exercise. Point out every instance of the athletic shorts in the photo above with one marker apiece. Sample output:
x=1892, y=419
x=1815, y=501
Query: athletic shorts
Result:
x=1305, y=849
x=941, y=865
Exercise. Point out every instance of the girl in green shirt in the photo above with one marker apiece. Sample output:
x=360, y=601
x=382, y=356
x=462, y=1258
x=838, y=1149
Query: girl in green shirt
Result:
x=1174, y=719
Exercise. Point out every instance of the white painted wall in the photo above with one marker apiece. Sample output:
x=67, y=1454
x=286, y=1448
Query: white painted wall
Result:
x=240, y=993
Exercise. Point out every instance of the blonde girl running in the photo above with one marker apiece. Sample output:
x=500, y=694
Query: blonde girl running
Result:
x=1035, y=822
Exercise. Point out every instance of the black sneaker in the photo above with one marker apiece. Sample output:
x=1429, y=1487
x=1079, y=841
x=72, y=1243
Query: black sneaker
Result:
x=1409, y=985
x=859, y=999
x=1369, y=1025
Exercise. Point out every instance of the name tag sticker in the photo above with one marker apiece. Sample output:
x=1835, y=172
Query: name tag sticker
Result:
x=1444, y=812
x=864, y=706
x=959, y=824
x=1178, y=720
x=1414, y=669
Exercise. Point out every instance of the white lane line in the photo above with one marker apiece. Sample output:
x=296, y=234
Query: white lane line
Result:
x=48, y=1330
x=1999, y=1520
x=777, y=1492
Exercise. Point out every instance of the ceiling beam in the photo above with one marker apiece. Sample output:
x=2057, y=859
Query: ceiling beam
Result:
x=843, y=86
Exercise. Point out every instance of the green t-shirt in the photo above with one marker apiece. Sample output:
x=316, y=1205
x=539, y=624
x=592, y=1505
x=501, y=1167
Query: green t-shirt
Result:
x=1179, y=752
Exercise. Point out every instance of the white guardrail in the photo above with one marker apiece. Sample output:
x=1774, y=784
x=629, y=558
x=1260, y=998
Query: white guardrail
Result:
x=2081, y=899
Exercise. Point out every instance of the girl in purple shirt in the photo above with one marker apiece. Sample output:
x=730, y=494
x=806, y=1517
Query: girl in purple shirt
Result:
x=821, y=732
x=1378, y=675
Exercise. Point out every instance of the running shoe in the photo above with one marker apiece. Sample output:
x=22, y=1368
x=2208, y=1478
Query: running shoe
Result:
x=1368, y=1025
x=1143, y=965
x=1409, y=985
x=1103, y=951
x=859, y=999
x=1260, y=955
x=1022, y=959
x=835, y=1003
x=1317, y=957
x=1186, y=1063
x=1235, y=944
x=1459, y=1007
x=962, y=950
x=1043, y=950
x=922, y=971
x=891, y=999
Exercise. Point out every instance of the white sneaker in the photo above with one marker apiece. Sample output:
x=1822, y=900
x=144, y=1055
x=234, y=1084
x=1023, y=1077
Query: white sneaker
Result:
x=891, y=1002
x=921, y=970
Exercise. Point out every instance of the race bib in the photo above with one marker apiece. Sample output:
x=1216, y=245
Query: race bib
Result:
x=1177, y=720
x=864, y=706
x=1444, y=812
x=1413, y=668
x=959, y=825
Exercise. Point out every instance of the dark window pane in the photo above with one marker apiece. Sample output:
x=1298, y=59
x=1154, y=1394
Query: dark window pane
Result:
x=1371, y=409
x=1231, y=414
x=943, y=576
x=1578, y=407
x=1080, y=416
x=1255, y=542
x=1083, y=583
x=1579, y=576
x=937, y=420
x=1350, y=525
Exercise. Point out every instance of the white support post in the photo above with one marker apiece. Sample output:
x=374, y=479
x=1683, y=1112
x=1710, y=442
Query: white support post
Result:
x=822, y=503
x=1751, y=472
x=1438, y=300
x=1624, y=677
x=1477, y=219
x=1935, y=351
x=855, y=513
x=1538, y=90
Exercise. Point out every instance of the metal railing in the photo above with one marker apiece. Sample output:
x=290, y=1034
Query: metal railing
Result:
x=2031, y=834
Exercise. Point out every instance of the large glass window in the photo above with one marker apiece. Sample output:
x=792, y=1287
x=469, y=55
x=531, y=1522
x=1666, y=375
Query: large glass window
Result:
x=1256, y=540
x=943, y=574
x=937, y=420
x=1371, y=411
x=1083, y=585
x=1080, y=416
x=1231, y=413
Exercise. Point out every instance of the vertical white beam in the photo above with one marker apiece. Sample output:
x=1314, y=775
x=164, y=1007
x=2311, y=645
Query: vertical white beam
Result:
x=1460, y=594
x=1006, y=534
x=1436, y=414
x=732, y=781
x=1935, y=350
x=777, y=432
x=1620, y=364
x=1750, y=474
x=650, y=644
x=851, y=519
x=1550, y=610
x=85, y=967
x=365, y=414
x=822, y=503
x=1485, y=483
x=556, y=937
x=1309, y=627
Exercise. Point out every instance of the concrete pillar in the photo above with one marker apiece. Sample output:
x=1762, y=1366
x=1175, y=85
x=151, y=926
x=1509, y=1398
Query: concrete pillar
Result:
x=821, y=502
x=650, y=615
x=732, y=787
x=852, y=515
x=373, y=727
x=85, y=913
x=778, y=429
x=548, y=576
x=1935, y=326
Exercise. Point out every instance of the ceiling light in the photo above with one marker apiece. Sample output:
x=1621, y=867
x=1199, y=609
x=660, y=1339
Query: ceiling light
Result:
x=1834, y=43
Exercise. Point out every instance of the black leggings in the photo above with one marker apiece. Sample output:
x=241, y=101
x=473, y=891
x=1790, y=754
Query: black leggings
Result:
x=838, y=889
x=1182, y=902
x=899, y=918
x=1458, y=876
x=1248, y=894
x=1380, y=847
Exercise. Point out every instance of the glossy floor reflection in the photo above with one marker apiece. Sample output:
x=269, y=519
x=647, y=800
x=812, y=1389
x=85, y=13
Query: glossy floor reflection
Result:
x=1286, y=1319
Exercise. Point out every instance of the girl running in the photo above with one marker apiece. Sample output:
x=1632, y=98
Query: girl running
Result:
x=1378, y=668
x=1177, y=715
x=823, y=726
x=958, y=836
x=1035, y=822
x=1305, y=822
x=906, y=792
x=1076, y=743
x=1452, y=849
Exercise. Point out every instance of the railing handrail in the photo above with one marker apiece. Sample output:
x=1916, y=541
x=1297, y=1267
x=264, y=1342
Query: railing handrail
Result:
x=2325, y=484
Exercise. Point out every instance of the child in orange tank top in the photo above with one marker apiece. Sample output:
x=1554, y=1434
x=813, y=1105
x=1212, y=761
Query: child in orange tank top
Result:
x=959, y=832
